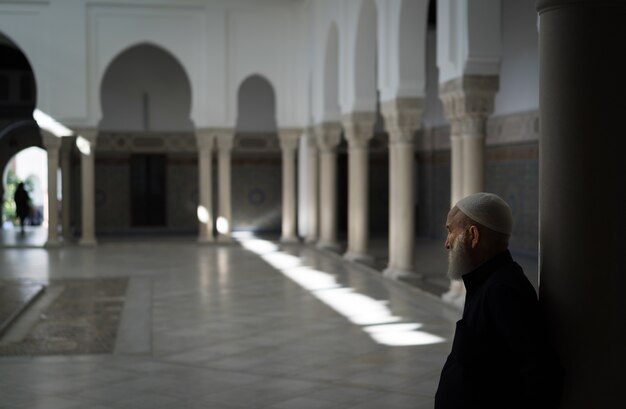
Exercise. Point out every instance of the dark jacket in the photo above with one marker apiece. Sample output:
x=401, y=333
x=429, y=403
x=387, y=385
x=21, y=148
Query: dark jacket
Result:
x=500, y=356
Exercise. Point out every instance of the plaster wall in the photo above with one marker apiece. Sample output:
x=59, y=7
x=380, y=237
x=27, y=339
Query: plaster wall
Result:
x=217, y=42
x=519, y=72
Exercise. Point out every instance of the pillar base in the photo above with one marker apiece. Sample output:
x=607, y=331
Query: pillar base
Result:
x=52, y=244
x=359, y=258
x=397, y=273
x=225, y=240
x=206, y=240
x=289, y=240
x=87, y=242
x=328, y=245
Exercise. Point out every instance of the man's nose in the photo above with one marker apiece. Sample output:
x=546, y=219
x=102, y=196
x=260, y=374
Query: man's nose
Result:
x=448, y=243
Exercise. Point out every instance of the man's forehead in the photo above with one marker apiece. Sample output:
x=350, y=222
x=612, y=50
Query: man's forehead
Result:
x=452, y=215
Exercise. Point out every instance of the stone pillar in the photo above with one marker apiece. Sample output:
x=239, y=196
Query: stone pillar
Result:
x=583, y=195
x=328, y=137
x=225, y=139
x=468, y=102
x=205, y=139
x=359, y=129
x=402, y=119
x=289, y=139
x=312, y=186
x=86, y=144
x=67, y=147
x=52, y=143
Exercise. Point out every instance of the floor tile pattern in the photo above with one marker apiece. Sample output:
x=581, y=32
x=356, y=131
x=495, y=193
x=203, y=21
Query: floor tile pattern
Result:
x=218, y=327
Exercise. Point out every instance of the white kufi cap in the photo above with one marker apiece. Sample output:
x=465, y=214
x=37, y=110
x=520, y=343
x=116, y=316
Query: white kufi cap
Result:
x=489, y=210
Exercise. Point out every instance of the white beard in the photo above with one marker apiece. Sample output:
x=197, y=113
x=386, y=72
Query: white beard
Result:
x=459, y=262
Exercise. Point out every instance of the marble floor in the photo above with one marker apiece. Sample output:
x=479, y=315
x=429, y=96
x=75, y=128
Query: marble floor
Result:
x=245, y=325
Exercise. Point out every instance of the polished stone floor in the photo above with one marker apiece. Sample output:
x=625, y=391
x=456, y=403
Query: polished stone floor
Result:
x=246, y=325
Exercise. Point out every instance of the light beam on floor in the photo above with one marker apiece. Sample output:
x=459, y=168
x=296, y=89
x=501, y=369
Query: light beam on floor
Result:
x=374, y=316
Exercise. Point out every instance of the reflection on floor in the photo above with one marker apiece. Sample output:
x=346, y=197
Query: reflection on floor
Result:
x=234, y=327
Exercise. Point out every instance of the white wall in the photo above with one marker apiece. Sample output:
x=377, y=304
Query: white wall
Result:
x=70, y=44
x=519, y=73
x=433, y=109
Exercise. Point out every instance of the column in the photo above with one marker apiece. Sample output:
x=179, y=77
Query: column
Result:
x=328, y=137
x=86, y=144
x=225, y=139
x=402, y=119
x=359, y=130
x=289, y=139
x=312, y=186
x=52, y=143
x=67, y=147
x=468, y=102
x=583, y=195
x=205, y=139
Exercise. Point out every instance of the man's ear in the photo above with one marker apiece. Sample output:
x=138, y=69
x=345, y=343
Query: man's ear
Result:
x=474, y=236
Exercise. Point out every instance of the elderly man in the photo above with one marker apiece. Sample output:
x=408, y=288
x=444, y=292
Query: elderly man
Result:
x=500, y=357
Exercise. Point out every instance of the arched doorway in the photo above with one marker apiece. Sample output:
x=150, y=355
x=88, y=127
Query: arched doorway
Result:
x=256, y=186
x=18, y=130
x=146, y=161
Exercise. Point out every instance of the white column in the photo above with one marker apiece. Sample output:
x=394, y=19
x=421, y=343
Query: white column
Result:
x=467, y=101
x=313, y=187
x=402, y=119
x=289, y=139
x=52, y=143
x=86, y=144
x=205, y=140
x=67, y=146
x=359, y=129
x=328, y=137
x=224, y=218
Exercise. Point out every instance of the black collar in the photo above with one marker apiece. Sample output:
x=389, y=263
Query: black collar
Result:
x=480, y=274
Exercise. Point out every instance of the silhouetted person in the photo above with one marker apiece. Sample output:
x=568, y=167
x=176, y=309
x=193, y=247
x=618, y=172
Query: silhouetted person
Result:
x=500, y=356
x=22, y=204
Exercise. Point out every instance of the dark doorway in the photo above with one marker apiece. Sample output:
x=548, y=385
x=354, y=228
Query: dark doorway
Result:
x=147, y=183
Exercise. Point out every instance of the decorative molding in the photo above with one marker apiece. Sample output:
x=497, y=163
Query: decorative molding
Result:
x=147, y=142
x=502, y=130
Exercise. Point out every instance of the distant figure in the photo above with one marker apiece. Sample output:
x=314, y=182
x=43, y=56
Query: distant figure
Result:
x=22, y=204
x=500, y=355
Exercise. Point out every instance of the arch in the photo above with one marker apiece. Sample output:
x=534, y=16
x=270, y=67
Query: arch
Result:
x=365, y=59
x=145, y=88
x=28, y=165
x=413, y=21
x=256, y=105
x=15, y=67
x=331, y=107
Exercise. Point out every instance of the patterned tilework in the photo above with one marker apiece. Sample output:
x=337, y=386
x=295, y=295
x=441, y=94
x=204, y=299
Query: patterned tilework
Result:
x=512, y=172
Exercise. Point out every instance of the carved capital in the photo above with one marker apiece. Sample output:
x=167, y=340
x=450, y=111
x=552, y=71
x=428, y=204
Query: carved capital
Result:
x=205, y=139
x=51, y=142
x=328, y=136
x=289, y=138
x=225, y=138
x=403, y=116
x=359, y=128
x=470, y=95
x=88, y=134
x=310, y=138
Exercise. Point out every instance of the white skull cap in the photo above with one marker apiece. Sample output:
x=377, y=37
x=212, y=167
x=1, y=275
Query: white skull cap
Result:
x=489, y=210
